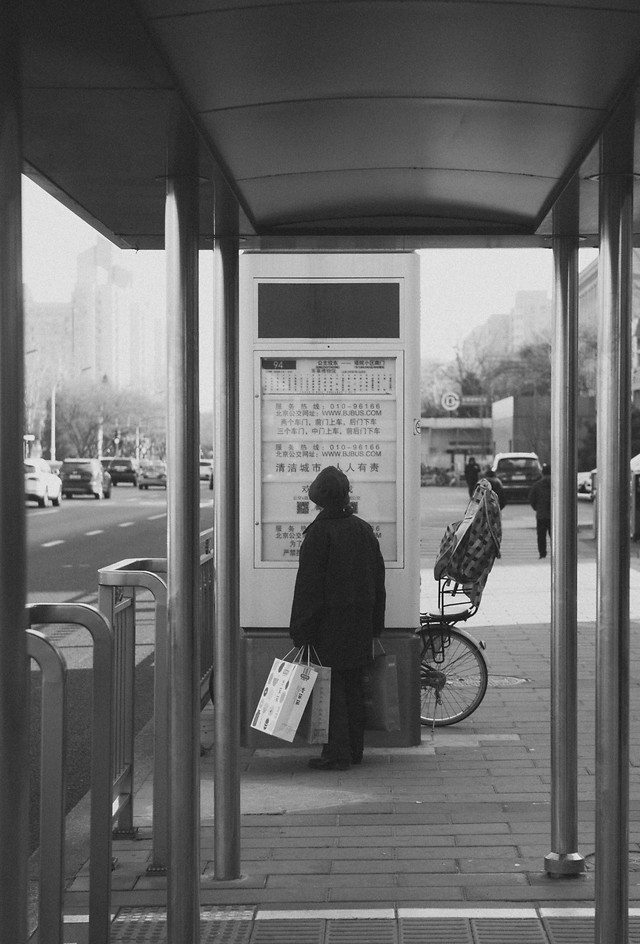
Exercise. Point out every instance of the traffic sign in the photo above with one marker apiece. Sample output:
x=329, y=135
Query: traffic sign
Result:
x=450, y=401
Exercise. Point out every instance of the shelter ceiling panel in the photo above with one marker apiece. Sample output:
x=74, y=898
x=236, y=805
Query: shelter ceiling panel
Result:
x=232, y=55
x=98, y=165
x=299, y=137
x=407, y=194
x=88, y=44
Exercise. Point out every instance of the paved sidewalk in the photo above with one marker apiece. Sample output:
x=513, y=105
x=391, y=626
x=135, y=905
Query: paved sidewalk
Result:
x=444, y=841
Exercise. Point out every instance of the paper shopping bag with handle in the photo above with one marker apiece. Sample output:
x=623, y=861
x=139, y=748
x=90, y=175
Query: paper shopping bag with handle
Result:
x=381, y=699
x=314, y=727
x=284, y=698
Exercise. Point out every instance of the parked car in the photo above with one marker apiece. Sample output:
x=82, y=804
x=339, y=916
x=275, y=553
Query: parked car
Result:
x=152, y=472
x=106, y=462
x=123, y=470
x=586, y=484
x=41, y=485
x=517, y=472
x=206, y=469
x=85, y=477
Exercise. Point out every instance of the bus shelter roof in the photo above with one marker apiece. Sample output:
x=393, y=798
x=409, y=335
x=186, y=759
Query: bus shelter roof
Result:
x=352, y=124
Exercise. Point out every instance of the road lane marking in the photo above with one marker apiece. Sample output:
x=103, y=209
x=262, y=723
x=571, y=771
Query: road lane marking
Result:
x=51, y=543
x=126, y=524
x=155, y=517
x=90, y=534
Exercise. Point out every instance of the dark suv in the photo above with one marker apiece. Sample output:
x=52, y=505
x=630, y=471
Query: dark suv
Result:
x=85, y=477
x=517, y=471
x=123, y=470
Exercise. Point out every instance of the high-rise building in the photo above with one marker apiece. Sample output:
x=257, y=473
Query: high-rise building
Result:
x=117, y=334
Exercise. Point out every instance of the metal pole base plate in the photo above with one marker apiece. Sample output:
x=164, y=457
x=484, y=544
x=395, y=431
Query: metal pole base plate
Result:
x=564, y=863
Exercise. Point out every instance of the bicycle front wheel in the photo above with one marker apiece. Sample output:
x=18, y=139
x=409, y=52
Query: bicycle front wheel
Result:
x=451, y=689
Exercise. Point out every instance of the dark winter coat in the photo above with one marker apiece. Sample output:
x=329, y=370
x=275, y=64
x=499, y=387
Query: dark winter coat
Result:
x=339, y=597
x=540, y=498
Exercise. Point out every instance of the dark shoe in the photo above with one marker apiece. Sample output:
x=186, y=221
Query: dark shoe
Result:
x=542, y=556
x=356, y=759
x=325, y=763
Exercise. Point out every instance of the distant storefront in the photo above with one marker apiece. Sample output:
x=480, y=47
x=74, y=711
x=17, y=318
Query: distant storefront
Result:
x=448, y=441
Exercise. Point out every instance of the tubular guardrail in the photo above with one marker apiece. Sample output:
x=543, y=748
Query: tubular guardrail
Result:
x=52, y=782
x=52, y=775
x=117, y=600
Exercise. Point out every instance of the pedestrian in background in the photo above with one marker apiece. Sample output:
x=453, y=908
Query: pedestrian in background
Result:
x=496, y=485
x=540, y=501
x=338, y=608
x=471, y=474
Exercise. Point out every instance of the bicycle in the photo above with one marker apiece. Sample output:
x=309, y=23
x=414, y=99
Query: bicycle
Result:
x=453, y=669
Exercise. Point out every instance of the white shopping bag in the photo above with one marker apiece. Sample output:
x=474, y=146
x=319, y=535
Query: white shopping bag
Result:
x=284, y=698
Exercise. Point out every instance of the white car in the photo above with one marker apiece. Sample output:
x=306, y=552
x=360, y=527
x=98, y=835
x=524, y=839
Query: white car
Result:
x=41, y=485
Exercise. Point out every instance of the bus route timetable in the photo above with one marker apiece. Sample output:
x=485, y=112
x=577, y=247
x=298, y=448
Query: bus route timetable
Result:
x=333, y=376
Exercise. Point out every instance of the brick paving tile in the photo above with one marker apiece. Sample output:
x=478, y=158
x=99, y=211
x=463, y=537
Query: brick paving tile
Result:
x=495, y=851
x=398, y=895
x=512, y=864
x=302, y=842
x=451, y=829
x=551, y=894
x=401, y=817
x=353, y=852
x=492, y=839
x=421, y=841
x=467, y=880
x=352, y=880
x=399, y=866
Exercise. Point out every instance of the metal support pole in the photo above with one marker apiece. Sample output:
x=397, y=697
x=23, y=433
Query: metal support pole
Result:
x=613, y=457
x=14, y=705
x=227, y=618
x=564, y=858
x=183, y=509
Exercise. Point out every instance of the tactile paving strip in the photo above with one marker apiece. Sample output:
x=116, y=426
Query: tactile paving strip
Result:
x=578, y=930
x=361, y=931
x=288, y=931
x=508, y=930
x=143, y=927
x=140, y=926
x=440, y=930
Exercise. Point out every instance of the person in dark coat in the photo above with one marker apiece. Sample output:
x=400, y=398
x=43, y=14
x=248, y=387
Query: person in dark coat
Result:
x=496, y=485
x=471, y=475
x=338, y=608
x=540, y=501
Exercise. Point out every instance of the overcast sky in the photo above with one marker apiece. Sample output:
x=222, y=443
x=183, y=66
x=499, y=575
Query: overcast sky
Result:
x=461, y=288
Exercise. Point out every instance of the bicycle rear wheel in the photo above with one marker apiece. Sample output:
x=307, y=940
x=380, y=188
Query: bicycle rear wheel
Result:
x=451, y=687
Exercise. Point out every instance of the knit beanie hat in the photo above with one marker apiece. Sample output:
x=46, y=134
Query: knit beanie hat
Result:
x=330, y=488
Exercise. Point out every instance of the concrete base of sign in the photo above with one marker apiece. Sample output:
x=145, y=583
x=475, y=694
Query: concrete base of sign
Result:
x=259, y=647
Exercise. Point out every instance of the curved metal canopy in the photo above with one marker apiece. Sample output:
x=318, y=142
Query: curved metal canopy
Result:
x=374, y=123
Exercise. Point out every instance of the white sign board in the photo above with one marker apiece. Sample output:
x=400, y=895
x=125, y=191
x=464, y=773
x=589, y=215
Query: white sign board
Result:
x=329, y=375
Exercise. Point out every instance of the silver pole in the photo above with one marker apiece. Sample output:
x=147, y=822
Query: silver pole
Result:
x=613, y=457
x=227, y=619
x=14, y=721
x=183, y=509
x=564, y=859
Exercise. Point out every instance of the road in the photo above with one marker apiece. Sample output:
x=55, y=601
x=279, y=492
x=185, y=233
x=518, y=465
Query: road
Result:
x=66, y=547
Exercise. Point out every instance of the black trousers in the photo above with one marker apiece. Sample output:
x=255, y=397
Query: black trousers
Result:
x=346, y=717
x=543, y=528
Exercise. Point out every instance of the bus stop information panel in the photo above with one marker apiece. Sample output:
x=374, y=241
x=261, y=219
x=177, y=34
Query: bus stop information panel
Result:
x=329, y=375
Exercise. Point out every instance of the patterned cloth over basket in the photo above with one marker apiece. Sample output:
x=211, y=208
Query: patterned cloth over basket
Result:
x=470, y=546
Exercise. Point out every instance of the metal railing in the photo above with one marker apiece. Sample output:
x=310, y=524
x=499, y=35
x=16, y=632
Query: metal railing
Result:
x=118, y=584
x=52, y=767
